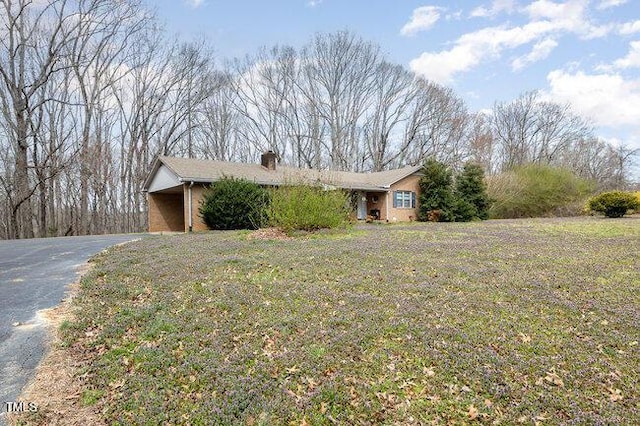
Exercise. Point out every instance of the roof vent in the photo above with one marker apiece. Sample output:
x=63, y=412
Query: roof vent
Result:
x=269, y=160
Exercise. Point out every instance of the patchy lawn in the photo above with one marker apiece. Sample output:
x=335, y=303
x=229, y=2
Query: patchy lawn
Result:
x=527, y=321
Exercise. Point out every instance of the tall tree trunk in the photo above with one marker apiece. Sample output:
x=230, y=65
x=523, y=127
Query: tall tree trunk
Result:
x=22, y=213
x=85, y=174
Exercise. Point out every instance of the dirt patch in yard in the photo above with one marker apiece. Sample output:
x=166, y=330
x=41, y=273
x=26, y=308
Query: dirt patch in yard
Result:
x=268, y=234
x=56, y=389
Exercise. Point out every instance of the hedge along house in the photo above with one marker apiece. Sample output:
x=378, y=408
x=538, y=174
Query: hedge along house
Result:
x=175, y=187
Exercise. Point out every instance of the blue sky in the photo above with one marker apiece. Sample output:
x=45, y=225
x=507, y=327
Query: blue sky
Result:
x=585, y=52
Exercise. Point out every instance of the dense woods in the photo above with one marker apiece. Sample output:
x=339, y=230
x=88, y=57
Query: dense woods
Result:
x=92, y=90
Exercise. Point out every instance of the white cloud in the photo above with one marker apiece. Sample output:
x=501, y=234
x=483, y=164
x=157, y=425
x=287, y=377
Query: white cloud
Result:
x=607, y=99
x=496, y=8
x=569, y=16
x=194, y=3
x=547, y=9
x=540, y=51
x=606, y=4
x=630, y=28
x=454, y=16
x=422, y=19
x=441, y=67
x=548, y=20
x=632, y=60
x=314, y=3
x=472, y=48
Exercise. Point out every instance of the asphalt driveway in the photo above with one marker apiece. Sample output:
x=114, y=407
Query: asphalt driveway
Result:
x=33, y=276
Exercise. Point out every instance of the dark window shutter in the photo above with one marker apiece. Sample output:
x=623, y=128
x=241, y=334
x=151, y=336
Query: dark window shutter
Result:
x=413, y=200
x=395, y=199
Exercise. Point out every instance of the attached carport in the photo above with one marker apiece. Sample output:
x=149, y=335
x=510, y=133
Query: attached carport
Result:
x=166, y=201
x=166, y=209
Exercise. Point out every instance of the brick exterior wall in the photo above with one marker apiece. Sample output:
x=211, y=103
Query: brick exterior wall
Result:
x=165, y=212
x=410, y=183
x=197, y=191
x=170, y=212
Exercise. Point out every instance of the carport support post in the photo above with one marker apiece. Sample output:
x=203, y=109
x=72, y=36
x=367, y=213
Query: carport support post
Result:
x=190, y=209
x=386, y=205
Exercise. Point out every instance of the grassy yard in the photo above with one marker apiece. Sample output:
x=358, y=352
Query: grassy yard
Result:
x=505, y=322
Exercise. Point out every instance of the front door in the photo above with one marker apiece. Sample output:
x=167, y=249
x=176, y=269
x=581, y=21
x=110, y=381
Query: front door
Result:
x=362, y=206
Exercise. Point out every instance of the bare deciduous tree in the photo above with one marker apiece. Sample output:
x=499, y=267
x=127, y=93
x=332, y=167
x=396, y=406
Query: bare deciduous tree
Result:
x=91, y=91
x=33, y=38
x=394, y=93
x=339, y=67
x=529, y=130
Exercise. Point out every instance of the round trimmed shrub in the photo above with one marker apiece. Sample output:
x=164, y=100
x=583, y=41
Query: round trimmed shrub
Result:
x=614, y=203
x=234, y=204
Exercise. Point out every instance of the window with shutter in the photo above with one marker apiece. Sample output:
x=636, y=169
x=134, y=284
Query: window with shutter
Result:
x=404, y=199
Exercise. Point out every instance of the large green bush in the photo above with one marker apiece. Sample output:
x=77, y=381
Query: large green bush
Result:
x=436, y=199
x=234, y=204
x=535, y=191
x=472, y=201
x=308, y=208
x=614, y=203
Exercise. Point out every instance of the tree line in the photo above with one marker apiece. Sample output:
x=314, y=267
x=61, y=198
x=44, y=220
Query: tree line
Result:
x=92, y=90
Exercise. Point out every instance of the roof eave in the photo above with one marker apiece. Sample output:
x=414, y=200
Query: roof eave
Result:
x=354, y=187
x=414, y=170
x=154, y=169
x=211, y=180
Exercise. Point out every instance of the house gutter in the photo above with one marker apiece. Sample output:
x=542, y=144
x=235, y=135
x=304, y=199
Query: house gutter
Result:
x=190, y=209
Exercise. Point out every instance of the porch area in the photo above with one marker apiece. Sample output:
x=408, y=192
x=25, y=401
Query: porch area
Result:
x=371, y=205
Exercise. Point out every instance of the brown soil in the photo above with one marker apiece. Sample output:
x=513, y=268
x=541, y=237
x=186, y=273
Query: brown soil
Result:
x=268, y=234
x=56, y=387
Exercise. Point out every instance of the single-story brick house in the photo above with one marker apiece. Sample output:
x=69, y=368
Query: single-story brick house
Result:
x=175, y=187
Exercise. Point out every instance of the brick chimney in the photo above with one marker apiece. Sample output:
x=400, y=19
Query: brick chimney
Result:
x=269, y=160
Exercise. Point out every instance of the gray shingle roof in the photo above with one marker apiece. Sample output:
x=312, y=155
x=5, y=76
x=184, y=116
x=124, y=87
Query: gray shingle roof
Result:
x=204, y=171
